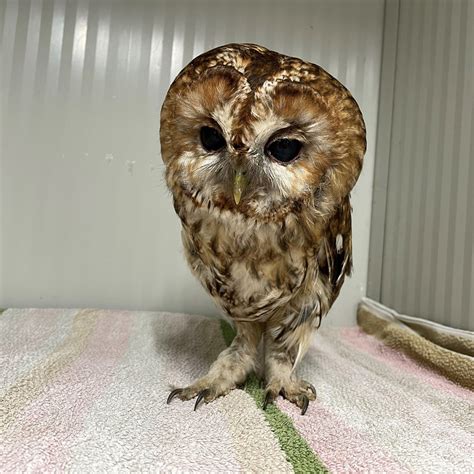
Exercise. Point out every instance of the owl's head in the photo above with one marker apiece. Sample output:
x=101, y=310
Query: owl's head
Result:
x=255, y=132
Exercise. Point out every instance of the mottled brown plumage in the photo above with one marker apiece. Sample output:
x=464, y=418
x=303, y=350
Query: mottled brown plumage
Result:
x=274, y=257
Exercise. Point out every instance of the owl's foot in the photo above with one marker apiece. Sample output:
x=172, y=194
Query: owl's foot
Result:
x=228, y=371
x=206, y=389
x=280, y=376
x=297, y=391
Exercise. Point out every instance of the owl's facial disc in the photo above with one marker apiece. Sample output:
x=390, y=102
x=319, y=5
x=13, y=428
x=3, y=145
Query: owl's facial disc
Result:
x=242, y=163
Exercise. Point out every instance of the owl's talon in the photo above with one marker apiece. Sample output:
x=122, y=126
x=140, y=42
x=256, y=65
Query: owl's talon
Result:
x=173, y=394
x=305, y=404
x=311, y=387
x=200, y=396
x=269, y=398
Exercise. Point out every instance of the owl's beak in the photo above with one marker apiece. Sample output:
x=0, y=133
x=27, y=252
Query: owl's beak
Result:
x=240, y=183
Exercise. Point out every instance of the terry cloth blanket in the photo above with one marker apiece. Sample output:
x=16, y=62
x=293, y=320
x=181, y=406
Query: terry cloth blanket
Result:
x=85, y=391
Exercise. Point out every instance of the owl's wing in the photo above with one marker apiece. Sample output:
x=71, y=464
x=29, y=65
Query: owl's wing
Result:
x=334, y=262
x=335, y=253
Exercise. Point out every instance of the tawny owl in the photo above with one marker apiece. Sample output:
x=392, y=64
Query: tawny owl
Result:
x=261, y=152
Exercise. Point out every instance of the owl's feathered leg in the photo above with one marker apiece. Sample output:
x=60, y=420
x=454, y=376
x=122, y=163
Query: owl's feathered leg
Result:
x=280, y=377
x=229, y=370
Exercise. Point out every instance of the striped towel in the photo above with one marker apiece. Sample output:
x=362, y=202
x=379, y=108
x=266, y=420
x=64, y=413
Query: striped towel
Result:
x=85, y=390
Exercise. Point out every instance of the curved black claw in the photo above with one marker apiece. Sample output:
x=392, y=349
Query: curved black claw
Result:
x=268, y=399
x=173, y=394
x=305, y=404
x=311, y=387
x=200, y=396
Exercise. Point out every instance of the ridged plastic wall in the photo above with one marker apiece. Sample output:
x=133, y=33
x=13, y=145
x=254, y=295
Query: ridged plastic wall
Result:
x=85, y=216
x=427, y=262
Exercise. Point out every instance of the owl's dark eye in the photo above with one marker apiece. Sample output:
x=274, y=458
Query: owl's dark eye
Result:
x=284, y=150
x=212, y=139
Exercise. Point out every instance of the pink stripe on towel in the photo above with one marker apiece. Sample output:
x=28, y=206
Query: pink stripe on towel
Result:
x=137, y=430
x=68, y=399
x=340, y=447
x=358, y=339
x=37, y=326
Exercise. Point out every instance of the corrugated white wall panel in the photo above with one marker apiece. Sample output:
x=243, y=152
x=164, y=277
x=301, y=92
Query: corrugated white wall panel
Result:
x=85, y=216
x=427, y=262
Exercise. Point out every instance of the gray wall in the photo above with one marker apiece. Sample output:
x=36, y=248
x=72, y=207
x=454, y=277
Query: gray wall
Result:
x=85, y=219
x=422, y=256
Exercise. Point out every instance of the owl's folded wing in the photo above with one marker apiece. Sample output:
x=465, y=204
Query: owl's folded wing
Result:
x=335, y=253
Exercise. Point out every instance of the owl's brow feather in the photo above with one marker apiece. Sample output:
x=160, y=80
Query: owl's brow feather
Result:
x=218, y=165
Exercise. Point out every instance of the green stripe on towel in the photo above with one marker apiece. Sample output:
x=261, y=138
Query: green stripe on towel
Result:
x=296, y=449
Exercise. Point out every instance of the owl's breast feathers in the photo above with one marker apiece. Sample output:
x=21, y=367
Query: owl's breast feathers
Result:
x=286, y=273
